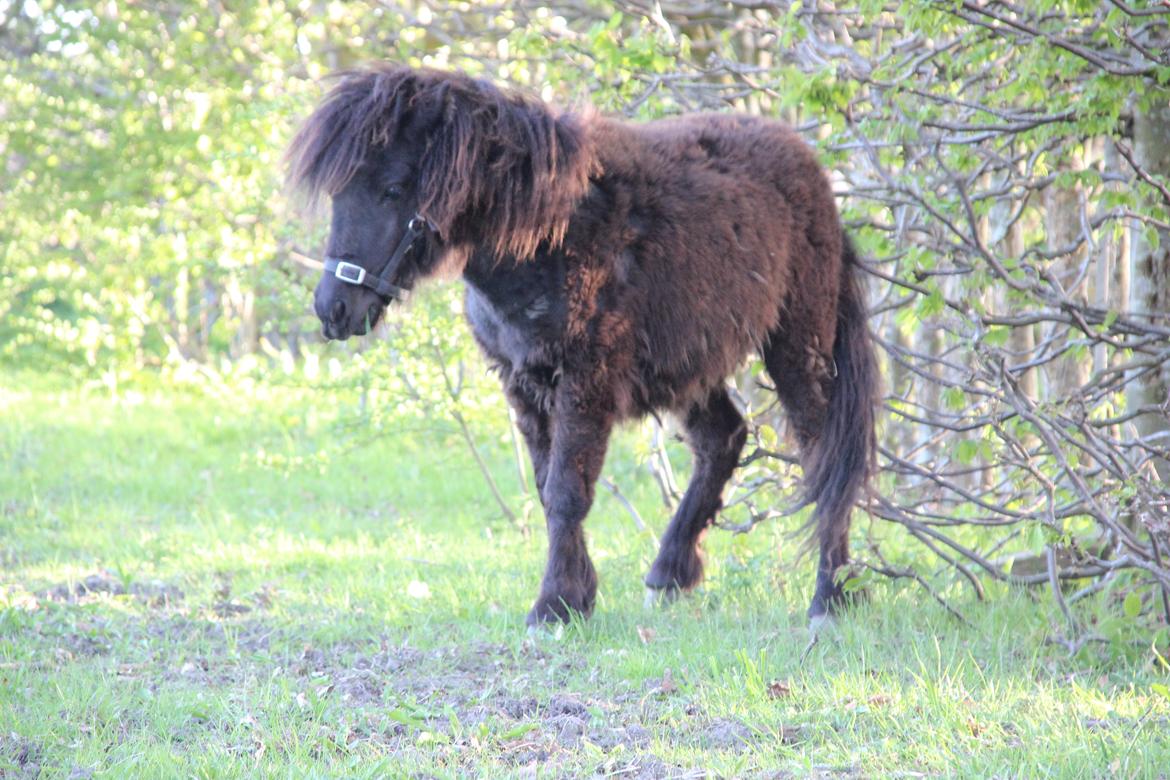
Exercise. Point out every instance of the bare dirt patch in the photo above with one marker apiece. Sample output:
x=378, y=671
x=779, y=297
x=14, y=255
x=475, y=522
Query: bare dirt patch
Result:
x=532, y=708
x=485, y=693
x=20, y=758
x=153, y=593
x=728, y=734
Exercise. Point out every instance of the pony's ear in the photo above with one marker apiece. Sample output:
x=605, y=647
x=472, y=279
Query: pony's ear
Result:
x=424, y=108
x=499, y=170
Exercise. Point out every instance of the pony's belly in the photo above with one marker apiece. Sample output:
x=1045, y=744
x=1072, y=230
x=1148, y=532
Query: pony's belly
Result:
x=683, y=353
x=675, y=386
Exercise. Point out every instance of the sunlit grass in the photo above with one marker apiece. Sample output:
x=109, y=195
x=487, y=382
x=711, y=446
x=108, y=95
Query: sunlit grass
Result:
x=269, y=599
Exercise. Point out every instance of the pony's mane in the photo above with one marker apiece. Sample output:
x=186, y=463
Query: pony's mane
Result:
x=498, y=169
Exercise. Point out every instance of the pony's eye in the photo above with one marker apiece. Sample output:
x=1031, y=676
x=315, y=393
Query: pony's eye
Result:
x=392, y=193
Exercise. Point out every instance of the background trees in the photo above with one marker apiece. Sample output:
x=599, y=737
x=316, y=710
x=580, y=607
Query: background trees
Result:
x=1003, y=168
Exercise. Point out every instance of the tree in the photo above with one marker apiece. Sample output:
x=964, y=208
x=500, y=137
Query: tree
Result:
x=1149, y=396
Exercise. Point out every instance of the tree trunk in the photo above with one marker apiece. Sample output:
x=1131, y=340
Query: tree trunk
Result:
x=1150, y=278
x=1062, y=226
x=1113, y=266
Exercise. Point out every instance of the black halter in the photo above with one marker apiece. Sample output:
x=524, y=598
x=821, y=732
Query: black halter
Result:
x=380, y=282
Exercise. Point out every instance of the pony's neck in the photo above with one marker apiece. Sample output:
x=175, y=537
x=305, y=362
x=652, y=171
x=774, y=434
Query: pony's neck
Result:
x=527, y=196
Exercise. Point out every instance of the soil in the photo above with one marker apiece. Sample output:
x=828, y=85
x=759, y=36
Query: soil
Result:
x=520, y=702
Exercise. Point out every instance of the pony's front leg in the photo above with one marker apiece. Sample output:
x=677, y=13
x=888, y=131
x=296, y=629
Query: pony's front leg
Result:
x=580, y=434
x=533, y=423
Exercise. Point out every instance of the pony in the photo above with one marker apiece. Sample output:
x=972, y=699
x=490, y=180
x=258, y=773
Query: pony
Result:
x=612, y=270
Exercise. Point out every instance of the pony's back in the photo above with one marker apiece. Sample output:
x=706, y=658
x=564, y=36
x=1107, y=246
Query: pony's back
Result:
x=723, y=231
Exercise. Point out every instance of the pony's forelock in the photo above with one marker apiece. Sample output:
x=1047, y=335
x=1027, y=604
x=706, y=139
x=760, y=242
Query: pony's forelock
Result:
x=331, y=145
x=498, y=170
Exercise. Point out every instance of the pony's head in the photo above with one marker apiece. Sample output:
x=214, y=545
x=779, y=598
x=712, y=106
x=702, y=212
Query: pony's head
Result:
x=421, y=167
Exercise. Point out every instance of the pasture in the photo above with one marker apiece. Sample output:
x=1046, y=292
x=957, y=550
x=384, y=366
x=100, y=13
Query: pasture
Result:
x=229, y=548
x=208, y=580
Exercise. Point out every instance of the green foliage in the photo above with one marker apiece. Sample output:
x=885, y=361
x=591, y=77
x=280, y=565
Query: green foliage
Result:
x=143, y=219
x=143, y=222
x=145, y=147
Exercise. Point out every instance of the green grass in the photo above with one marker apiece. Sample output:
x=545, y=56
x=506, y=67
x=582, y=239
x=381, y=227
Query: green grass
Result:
x=269, y=597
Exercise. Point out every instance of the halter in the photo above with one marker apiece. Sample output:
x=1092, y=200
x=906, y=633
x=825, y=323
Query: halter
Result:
x=380, y=282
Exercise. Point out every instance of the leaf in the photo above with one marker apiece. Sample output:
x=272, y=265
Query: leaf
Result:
x=1152, y=239
x=967, y=450
x=853, y=585
x=768, y=437
x=779, y=690
x=997, y=336
x=954, y=398
x=517, y=731
x=906, y=318
x=405, y=718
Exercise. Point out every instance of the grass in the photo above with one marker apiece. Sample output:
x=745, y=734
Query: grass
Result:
x=211, y=585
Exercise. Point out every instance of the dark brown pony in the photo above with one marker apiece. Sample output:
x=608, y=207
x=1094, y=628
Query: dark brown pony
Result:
x=612, y=270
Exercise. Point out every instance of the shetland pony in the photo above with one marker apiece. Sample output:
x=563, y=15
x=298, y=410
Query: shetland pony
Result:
x=612, y=270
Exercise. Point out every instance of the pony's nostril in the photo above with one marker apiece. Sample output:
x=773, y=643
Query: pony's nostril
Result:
x=337, y=312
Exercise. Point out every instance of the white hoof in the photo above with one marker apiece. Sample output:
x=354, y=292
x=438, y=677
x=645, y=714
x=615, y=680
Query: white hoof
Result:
x=545, y=631
x=821, y=623
x=660, y=597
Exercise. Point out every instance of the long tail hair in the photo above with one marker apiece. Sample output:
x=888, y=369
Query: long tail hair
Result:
x=840, y=460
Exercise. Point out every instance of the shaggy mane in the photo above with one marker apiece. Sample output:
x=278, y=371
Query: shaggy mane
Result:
x=499, y=169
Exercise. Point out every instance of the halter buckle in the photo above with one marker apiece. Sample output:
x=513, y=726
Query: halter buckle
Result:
x=350, y=273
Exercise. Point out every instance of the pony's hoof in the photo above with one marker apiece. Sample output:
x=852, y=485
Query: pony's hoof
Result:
x=660, y=597
x=560, y=608
x=544, y=632
x=823, y=623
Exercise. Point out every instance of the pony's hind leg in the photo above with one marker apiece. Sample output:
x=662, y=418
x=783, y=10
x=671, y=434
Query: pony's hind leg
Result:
x=716, y=433
x=828, y=596
x=803, y=382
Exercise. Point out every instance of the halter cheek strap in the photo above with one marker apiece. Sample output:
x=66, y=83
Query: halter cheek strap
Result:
x=380, y=283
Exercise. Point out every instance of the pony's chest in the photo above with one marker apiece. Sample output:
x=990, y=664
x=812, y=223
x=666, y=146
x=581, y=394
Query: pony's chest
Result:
x=518, y=315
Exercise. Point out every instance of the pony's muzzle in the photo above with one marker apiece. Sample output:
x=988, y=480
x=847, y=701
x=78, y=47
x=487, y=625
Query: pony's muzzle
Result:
x=334, y=313
x=337, y=312
x=334, y=316
x=342, y=318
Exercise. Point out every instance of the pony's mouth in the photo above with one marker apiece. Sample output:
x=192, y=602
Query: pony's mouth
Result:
x=357, y=327
x=370, y=321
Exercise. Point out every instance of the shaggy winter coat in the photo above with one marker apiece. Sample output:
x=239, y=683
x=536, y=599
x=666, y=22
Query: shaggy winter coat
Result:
x=613, y=270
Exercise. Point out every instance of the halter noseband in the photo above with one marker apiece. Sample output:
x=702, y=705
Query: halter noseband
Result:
x=380, y=283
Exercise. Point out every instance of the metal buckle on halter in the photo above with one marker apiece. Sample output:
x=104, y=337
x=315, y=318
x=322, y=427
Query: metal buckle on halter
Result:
x=348, y=272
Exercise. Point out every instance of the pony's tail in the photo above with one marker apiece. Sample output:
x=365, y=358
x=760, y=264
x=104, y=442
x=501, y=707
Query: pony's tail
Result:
x=838, y=462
